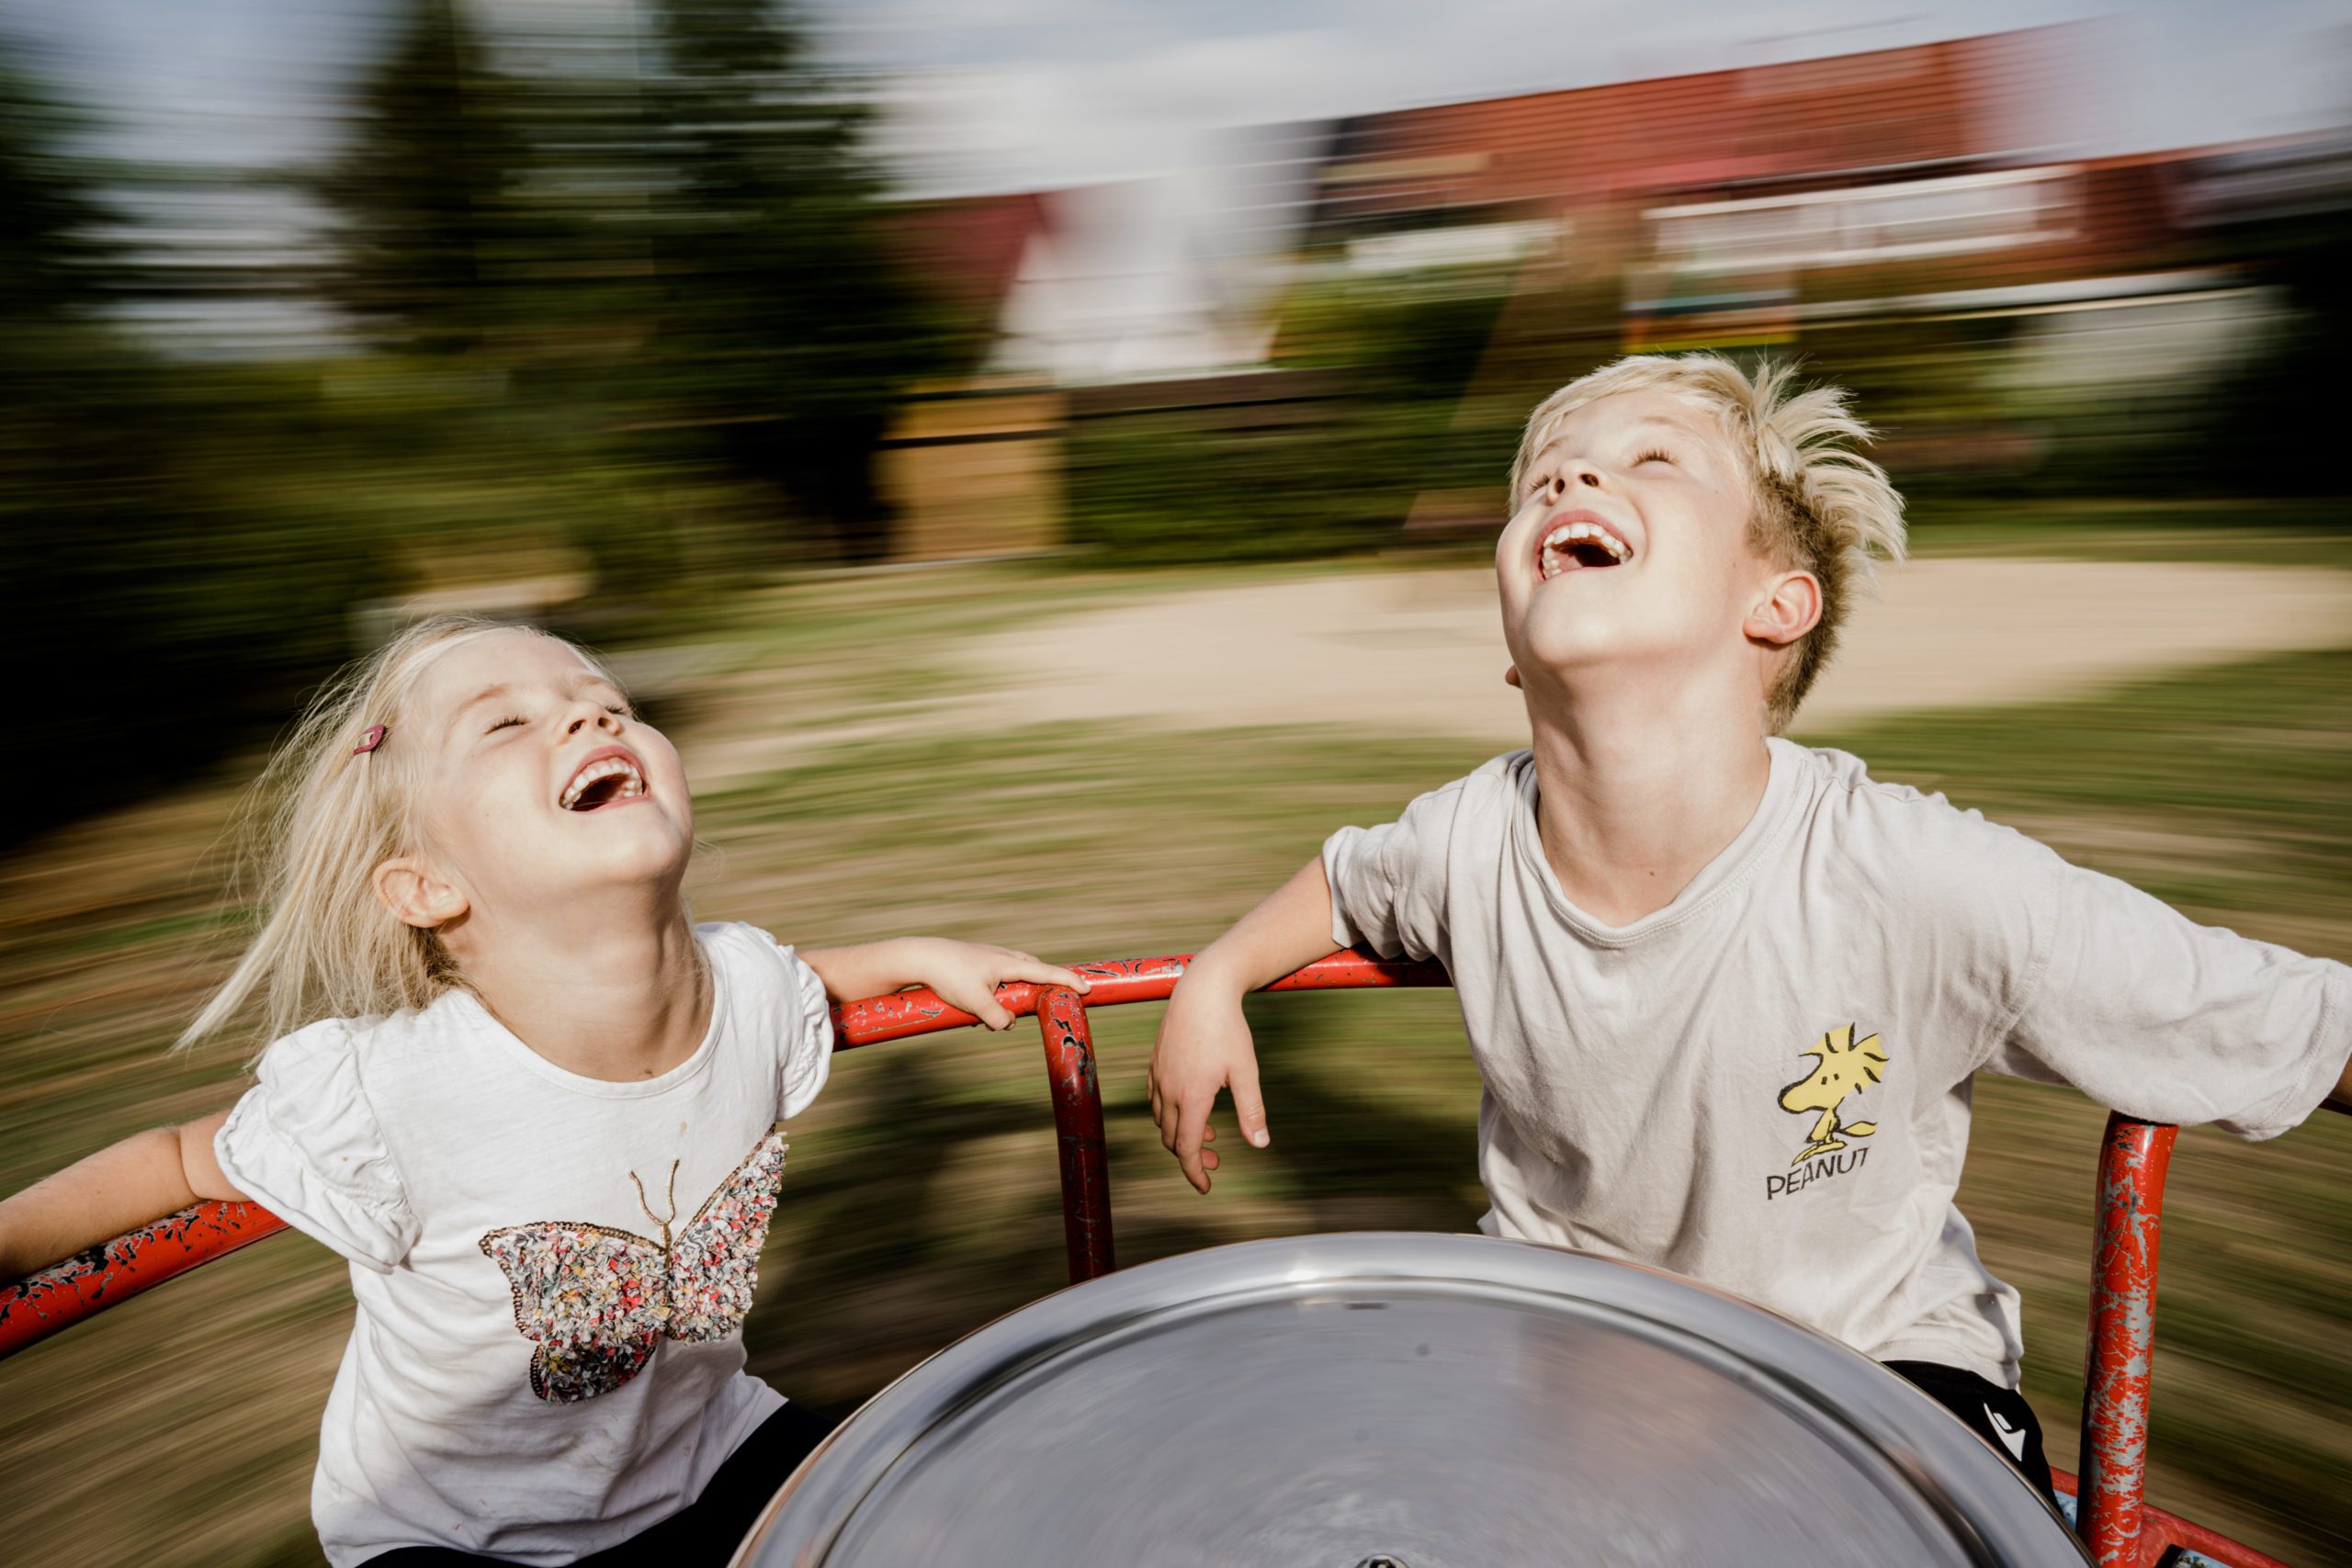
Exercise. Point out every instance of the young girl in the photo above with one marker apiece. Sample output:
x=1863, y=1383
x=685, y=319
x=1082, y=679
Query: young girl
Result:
x=536, y=1108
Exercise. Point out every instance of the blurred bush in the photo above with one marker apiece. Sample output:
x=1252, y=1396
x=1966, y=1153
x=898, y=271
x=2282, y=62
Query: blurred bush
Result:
x=1321, y=455
x=621, y=320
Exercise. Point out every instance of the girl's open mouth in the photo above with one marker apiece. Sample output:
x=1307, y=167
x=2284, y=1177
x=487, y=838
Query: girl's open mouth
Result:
x=1578, y=543
x=606, y=778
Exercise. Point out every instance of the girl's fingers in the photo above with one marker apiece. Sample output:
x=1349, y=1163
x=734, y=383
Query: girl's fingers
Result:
x=1038, y=972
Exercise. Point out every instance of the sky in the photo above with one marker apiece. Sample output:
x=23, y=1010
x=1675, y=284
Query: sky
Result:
x=996, y=95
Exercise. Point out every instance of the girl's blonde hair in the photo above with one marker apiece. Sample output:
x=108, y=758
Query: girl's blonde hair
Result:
x=322, y=818
x=1816, y=505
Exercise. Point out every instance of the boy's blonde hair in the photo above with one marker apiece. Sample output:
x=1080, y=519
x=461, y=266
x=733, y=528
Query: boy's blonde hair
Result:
x=1815, y=504
x=323, y=817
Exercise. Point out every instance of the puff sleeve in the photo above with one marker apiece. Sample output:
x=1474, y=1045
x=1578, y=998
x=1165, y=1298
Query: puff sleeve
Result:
x=792, y=1006
x=809, y=1044
x=305, y=1143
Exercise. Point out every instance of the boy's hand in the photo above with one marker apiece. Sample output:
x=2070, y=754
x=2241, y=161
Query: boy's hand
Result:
x=1204, y=1046
x=966, y=974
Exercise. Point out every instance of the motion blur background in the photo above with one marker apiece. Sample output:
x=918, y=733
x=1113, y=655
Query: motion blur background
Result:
x=1038, y=459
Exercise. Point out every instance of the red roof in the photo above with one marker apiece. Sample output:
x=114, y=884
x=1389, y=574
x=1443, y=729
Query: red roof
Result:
x=1932, y=103
x=968, y=250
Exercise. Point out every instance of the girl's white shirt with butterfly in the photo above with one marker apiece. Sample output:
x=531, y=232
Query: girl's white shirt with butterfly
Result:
x=550, y=1269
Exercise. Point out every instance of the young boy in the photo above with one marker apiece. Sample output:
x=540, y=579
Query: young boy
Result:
x=1728, y=994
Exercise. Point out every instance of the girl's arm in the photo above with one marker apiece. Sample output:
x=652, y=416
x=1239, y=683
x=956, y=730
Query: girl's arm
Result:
x=124, y=1185
x=1204, y=1044
x=965, y=974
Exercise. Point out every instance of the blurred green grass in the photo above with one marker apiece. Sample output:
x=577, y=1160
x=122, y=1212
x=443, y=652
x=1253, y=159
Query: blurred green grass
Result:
x=922, y=1198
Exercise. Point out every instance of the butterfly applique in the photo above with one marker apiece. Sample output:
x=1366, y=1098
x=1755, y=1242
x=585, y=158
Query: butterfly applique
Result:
x=598, y=1301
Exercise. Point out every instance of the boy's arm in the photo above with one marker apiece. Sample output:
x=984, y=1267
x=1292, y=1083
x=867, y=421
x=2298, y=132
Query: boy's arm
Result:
x=965, y=974
x=1203, y=1043
x=124, y=1185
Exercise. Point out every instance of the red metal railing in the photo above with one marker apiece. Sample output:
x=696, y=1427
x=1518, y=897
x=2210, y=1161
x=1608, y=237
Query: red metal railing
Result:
x=57, y=1297
x=2121, y=1530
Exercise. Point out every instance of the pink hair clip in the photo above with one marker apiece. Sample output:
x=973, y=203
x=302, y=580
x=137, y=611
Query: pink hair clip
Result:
x=371, y=740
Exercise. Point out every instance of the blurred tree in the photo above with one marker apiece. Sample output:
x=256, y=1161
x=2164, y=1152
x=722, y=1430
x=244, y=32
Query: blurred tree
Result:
x=2276, y=421
x=56, y=263
x=428, y=226
x=164, y=603
x=784, y=332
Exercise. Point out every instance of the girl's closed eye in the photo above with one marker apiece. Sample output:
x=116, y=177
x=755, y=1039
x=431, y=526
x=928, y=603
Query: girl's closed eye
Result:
x=1655, y=455
x=511, y=720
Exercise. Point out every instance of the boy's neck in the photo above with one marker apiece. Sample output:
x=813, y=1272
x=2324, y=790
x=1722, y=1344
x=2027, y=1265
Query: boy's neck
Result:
x=1639, y=793
x=619, y=998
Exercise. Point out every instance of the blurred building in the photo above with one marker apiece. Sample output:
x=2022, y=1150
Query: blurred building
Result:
x=1771, y=204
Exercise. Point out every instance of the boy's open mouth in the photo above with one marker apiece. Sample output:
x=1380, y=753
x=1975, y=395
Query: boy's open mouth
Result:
x=1576, y=544
x=606, y=778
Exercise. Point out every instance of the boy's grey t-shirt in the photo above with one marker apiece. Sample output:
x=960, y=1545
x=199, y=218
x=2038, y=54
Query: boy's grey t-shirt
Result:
x=1765, y=1085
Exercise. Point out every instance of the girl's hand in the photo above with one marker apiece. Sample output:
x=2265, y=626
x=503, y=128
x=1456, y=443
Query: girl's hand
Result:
x=966, y=974
x=967, y=977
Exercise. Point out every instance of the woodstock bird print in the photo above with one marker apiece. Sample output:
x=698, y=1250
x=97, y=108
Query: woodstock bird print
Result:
x=1846, y=1067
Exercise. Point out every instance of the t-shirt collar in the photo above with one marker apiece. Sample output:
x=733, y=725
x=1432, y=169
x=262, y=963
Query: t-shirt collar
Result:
x=465, y=1005
x=1718, y=877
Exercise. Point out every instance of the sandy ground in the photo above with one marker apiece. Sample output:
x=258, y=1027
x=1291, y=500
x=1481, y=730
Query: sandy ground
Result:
x=1421, y=651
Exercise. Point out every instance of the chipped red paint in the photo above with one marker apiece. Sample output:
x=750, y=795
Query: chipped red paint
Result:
x=2160, y=1532
x=1078, y=1132
x=1116, y=982
x=33, y=1308
x=2134, y=1159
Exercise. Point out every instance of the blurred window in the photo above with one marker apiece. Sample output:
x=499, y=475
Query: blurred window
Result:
x=1461, y=245
x=2003, y=211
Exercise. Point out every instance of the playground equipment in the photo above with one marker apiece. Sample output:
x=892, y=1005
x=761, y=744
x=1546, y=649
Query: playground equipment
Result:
x=2117, y=1526
x=1425, y=1400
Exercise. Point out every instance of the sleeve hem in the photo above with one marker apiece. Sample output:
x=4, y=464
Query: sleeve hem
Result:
x=367, y=1229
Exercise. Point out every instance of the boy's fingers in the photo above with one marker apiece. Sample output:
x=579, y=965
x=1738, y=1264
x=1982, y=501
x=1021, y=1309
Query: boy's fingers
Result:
x=1188, y=1145
x=992, y=1013
x=1249, y=1106
x=1171, y=1116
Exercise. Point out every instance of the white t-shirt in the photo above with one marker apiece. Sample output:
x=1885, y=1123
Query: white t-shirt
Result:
x=1765, y=1085
x=552, y=1270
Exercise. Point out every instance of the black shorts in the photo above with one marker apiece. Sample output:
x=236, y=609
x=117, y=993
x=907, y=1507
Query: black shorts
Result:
x=706, y=1530
x=1999, y=1415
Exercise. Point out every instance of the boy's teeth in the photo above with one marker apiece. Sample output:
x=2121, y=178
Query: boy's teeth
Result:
x=1550, y=562
x=632, y=783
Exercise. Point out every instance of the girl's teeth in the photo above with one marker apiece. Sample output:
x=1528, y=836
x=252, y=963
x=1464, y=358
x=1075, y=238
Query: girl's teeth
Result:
x=632, y=784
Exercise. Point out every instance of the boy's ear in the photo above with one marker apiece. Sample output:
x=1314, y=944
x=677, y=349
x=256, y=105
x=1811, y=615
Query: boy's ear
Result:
x=1790, y=607
x=407, y=888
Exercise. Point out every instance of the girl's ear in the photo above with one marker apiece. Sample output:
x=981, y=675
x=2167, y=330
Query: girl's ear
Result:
x=1790, y=608
x=408, y=888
